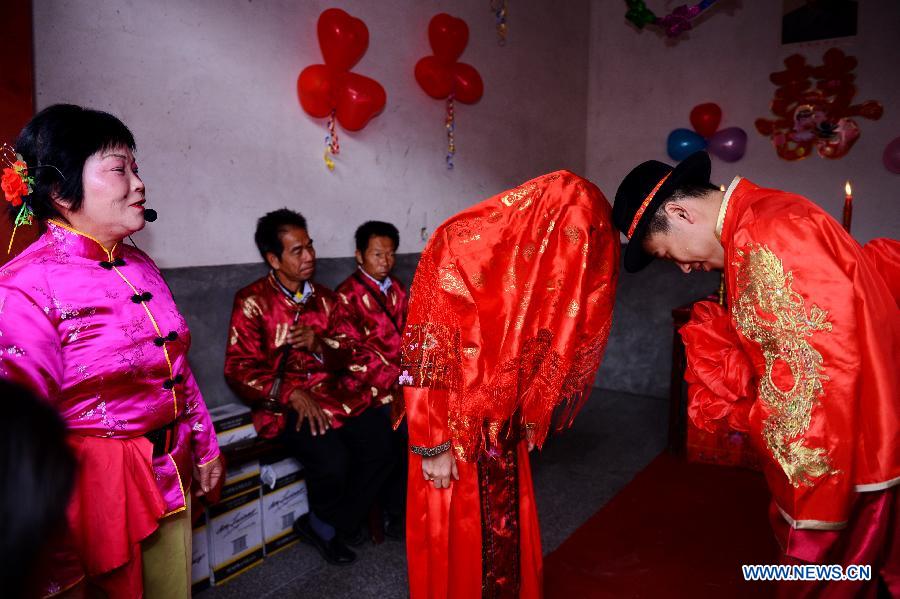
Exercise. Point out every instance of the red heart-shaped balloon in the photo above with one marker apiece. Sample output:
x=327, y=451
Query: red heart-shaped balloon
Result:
x=434, y=77
x=705, y=118
x=448, y=37
x=342, y=38
x=359, y=99
x=317, y=87
x=467, y=84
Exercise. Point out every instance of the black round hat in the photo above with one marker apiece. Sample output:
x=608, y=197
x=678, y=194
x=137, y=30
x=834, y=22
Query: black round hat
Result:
x=640, y=195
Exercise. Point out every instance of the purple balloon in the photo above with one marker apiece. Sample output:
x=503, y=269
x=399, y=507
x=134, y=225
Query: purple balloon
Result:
x=891, y=156
x=728, y=144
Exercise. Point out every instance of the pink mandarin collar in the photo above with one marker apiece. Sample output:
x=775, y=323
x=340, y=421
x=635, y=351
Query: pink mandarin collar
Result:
x=82, y=244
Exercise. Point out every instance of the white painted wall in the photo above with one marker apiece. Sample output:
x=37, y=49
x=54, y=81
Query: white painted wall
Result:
x=641, y=88
x=209, y=89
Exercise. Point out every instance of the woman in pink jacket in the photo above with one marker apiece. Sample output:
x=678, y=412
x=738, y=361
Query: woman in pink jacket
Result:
x=88, y=323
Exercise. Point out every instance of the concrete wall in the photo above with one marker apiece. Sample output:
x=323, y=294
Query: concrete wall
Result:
x=209, y=89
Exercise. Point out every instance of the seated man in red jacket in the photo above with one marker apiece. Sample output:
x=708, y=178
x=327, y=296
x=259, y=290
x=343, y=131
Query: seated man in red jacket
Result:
x=284, y=359
x=374, y=308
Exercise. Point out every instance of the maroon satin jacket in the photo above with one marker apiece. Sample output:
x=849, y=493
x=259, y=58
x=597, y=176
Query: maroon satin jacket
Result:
x=260, y=320
x=372, y=322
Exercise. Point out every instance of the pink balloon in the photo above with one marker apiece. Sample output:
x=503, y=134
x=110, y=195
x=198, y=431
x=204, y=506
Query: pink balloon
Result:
x=891, y=156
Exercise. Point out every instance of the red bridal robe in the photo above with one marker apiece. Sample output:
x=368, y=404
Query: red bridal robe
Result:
x=509, y=317
x=805, y=359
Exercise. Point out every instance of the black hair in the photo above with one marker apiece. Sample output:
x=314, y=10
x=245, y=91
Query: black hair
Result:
x=55, y=145
x=271, y=226
x=659, y=223
x=37, y=472
x=376, y=228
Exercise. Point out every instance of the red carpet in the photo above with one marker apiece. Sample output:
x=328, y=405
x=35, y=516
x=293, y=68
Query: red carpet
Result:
x=676, y=530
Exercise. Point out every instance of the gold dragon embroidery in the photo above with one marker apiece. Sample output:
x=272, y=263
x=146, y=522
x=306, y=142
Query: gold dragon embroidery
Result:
x=769, y=312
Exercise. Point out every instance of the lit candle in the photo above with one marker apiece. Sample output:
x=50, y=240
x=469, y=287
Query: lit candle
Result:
x=848, y=206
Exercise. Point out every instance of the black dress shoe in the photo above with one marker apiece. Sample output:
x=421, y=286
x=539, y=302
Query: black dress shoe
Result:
x=333, y=551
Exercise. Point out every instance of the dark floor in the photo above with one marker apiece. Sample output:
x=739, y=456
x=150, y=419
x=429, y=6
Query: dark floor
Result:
x=614, y=437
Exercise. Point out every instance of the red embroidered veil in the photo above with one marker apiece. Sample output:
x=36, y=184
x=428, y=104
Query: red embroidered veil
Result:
x=511, y=308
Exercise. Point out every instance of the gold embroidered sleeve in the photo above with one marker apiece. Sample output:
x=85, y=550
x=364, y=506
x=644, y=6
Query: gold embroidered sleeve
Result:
x=770, y=313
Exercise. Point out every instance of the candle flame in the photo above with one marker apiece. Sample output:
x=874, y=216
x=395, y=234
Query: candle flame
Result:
x=847, y=189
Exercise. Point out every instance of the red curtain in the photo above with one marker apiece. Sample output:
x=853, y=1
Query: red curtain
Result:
x=16, y=101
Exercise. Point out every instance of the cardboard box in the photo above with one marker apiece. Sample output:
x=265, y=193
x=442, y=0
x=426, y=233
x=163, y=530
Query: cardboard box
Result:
x=200, y=572
x=233, y=425
x=240, y=479
x=235, y=535
x=284, y=500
